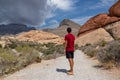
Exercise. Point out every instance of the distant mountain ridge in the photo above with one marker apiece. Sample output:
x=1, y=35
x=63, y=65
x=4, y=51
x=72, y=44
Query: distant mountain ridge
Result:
x=61, y=30
x=14, y=29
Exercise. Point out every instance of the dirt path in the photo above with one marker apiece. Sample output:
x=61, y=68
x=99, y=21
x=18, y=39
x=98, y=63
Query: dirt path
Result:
x=56, y=70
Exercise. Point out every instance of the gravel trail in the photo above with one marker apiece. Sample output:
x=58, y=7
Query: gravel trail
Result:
x=55, y=69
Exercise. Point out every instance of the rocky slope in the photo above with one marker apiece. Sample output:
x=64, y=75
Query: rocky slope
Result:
x=14, y=29
x=61, y=30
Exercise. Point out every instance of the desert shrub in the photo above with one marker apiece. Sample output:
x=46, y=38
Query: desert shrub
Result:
x=12, y=45
x=27, y=53
x=7, y=61
x=28, y=58
x=0, y=46
x=24, y=49
x=76, y=46
x=49, y=44
x=110, y=53
x=10, y=62
x=88, y=44
x=92, y=53
x=89, y=50
x=52, y=50
x=102, y=43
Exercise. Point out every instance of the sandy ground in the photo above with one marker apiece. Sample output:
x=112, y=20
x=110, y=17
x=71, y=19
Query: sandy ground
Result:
x=84, y=69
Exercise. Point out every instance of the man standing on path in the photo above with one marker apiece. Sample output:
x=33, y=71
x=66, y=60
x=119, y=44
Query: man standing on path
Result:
x=69, y=49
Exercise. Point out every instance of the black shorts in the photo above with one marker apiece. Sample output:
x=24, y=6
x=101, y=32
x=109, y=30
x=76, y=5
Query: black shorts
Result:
x=69, y=54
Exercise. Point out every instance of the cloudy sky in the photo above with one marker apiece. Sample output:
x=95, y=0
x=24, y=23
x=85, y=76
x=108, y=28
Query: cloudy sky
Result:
x=49, y=13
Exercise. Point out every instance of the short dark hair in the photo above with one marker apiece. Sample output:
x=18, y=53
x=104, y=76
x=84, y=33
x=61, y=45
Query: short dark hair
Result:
x=69, y=30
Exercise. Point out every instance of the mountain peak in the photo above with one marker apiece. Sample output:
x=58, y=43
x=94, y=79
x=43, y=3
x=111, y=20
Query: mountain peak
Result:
x=68, y=23
x=61, y=30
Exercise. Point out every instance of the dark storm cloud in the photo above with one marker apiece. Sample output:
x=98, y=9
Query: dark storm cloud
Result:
x=30, y=12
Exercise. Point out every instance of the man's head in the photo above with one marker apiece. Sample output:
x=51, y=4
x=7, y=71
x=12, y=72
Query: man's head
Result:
x=69, y=30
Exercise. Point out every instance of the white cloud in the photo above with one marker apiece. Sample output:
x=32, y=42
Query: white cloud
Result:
x=61, y=4
x=103, y=3
x=81, y=20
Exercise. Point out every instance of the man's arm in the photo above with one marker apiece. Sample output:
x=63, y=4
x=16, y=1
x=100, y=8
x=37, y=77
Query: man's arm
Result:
x=65, y=45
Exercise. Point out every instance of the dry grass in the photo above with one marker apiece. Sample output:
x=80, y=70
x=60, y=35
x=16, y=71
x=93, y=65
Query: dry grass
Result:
x=18, y=54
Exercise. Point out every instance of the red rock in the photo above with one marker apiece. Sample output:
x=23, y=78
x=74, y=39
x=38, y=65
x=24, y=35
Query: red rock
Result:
x=115, y=9
x=96, y=22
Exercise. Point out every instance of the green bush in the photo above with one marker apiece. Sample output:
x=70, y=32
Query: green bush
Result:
x=102, y=43
x=90, y=50
x=76, y=46
x=7, y=61
x=19, y=54
x=92, y=53
x=12, y=46
x=52, y=50
x=110, y=53
x=0, y=46
x=11, y=62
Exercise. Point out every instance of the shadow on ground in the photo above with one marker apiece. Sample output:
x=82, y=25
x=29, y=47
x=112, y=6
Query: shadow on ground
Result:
x=61, y=70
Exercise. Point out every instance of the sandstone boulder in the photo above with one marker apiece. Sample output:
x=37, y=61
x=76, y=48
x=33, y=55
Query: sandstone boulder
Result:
x=94, y=37
x=114, y=29
x=115, y=9
x=97, y=22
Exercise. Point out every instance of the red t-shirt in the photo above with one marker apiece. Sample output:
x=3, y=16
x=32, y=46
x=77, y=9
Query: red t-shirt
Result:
x=70, y=42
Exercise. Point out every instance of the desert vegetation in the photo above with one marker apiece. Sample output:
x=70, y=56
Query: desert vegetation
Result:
x=107, y=53
x=19, y=54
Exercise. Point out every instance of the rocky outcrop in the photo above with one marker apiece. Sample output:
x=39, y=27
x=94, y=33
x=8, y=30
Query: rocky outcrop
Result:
x=97, y=22
x=102, y=19
x=114, y=29
x=14, y=29
x=94, y=37
x=39, y=37
x=115, y=9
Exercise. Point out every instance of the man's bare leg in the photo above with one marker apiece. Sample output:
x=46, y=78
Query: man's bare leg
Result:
x=71, y=62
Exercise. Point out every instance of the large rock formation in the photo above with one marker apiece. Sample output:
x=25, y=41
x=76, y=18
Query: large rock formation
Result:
x=94, y=37
x=104, y=27
x=61, y=30
x=102, y=19
x=97, y=22
x=115, y=9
